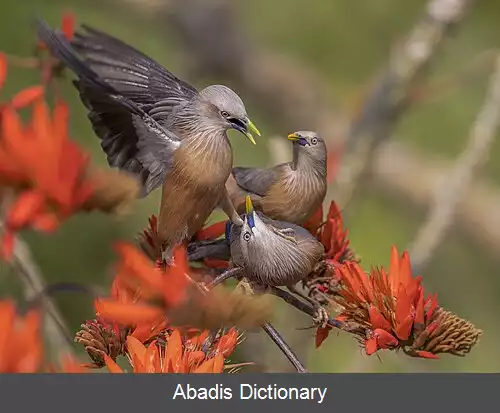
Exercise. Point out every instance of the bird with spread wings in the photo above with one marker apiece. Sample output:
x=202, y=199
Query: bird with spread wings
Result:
x=156, y=127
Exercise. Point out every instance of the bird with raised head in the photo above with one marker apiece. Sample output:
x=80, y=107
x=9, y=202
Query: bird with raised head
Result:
x=267, y=252
x=156, y=126
x=291, y=191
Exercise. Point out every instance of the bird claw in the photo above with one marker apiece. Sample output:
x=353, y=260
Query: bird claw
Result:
x=321, y=317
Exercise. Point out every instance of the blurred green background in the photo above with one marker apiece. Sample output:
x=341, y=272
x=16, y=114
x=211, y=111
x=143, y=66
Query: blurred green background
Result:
x=346, y=43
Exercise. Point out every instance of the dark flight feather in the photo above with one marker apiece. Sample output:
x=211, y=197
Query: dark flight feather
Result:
x=132, y=73
x=132, y=139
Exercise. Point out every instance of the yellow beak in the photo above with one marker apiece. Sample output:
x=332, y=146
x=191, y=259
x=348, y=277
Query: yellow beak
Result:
x=252, y=128
x=248, y=205
x=293, y=137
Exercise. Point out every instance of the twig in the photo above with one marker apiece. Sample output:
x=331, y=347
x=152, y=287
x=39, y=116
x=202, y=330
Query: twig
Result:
x=296, y=95
x=245, y=287
x=455, y=184
x=306, y=307
x=33, y=282
x=389, y=98
x=284, y=347
x=293, y=97
x=56, y=331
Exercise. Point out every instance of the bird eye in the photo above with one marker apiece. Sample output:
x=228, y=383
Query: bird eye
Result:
x=224, y=114
x=314, y=141
x=247, y=236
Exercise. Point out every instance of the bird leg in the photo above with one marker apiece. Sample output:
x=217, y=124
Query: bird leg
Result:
x=226, y=275
x=300, y=305
x=228, y=207
x=321, y=316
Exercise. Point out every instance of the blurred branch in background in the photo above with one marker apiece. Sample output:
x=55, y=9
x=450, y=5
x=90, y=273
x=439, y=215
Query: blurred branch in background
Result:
x=56, y=331
x=33, y=283
x=295, y=97
x=287, y=92
x=455, y=184
x=389, y=97
x=398, y=168
x=210, y=32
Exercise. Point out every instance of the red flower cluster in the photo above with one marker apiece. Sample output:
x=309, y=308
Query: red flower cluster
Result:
x=39, y=160
x=177, y=353
x=392, y=312
x=162, y=318
x=331, y=234
x=142, y=294
x=21, y=346
x=50, y=168
x=138, y=282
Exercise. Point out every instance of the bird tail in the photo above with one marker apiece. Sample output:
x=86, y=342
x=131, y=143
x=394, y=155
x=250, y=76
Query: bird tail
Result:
x=214, y=249
x=62, y=50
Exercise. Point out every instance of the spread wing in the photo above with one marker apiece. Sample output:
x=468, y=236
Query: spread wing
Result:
x=133, y=139
x=256, y=180
x=132, y=73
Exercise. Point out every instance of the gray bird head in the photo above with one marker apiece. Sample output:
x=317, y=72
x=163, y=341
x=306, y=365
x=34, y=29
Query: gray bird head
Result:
x=230, y=110
x=269, y=255
x=310, y=144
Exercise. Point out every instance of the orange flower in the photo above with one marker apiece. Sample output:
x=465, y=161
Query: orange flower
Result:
x=150, y=243
x=20, y=340
x=322, y=283
x=177, y=356
x=23, y=98
x=331, y=234
x=392, y=312
x=45, y=165
x=213, y=231
x=148, y=282
x=3, y=69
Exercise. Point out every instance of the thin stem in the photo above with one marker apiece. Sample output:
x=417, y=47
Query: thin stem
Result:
x=455, y=185
x=284, y=347
x=223, y=277
x=267, y=327
x=301, y=305
x=34, y=286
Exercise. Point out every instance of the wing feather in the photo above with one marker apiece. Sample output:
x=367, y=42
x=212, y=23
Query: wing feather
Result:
x=132, y=73
x=132, y=139
x=256, y=180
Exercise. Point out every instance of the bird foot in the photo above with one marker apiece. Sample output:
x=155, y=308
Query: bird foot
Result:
x=321, y=317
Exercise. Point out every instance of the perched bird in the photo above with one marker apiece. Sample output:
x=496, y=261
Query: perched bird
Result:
x=267, y=252
x=289, y=192
x=157, y=127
